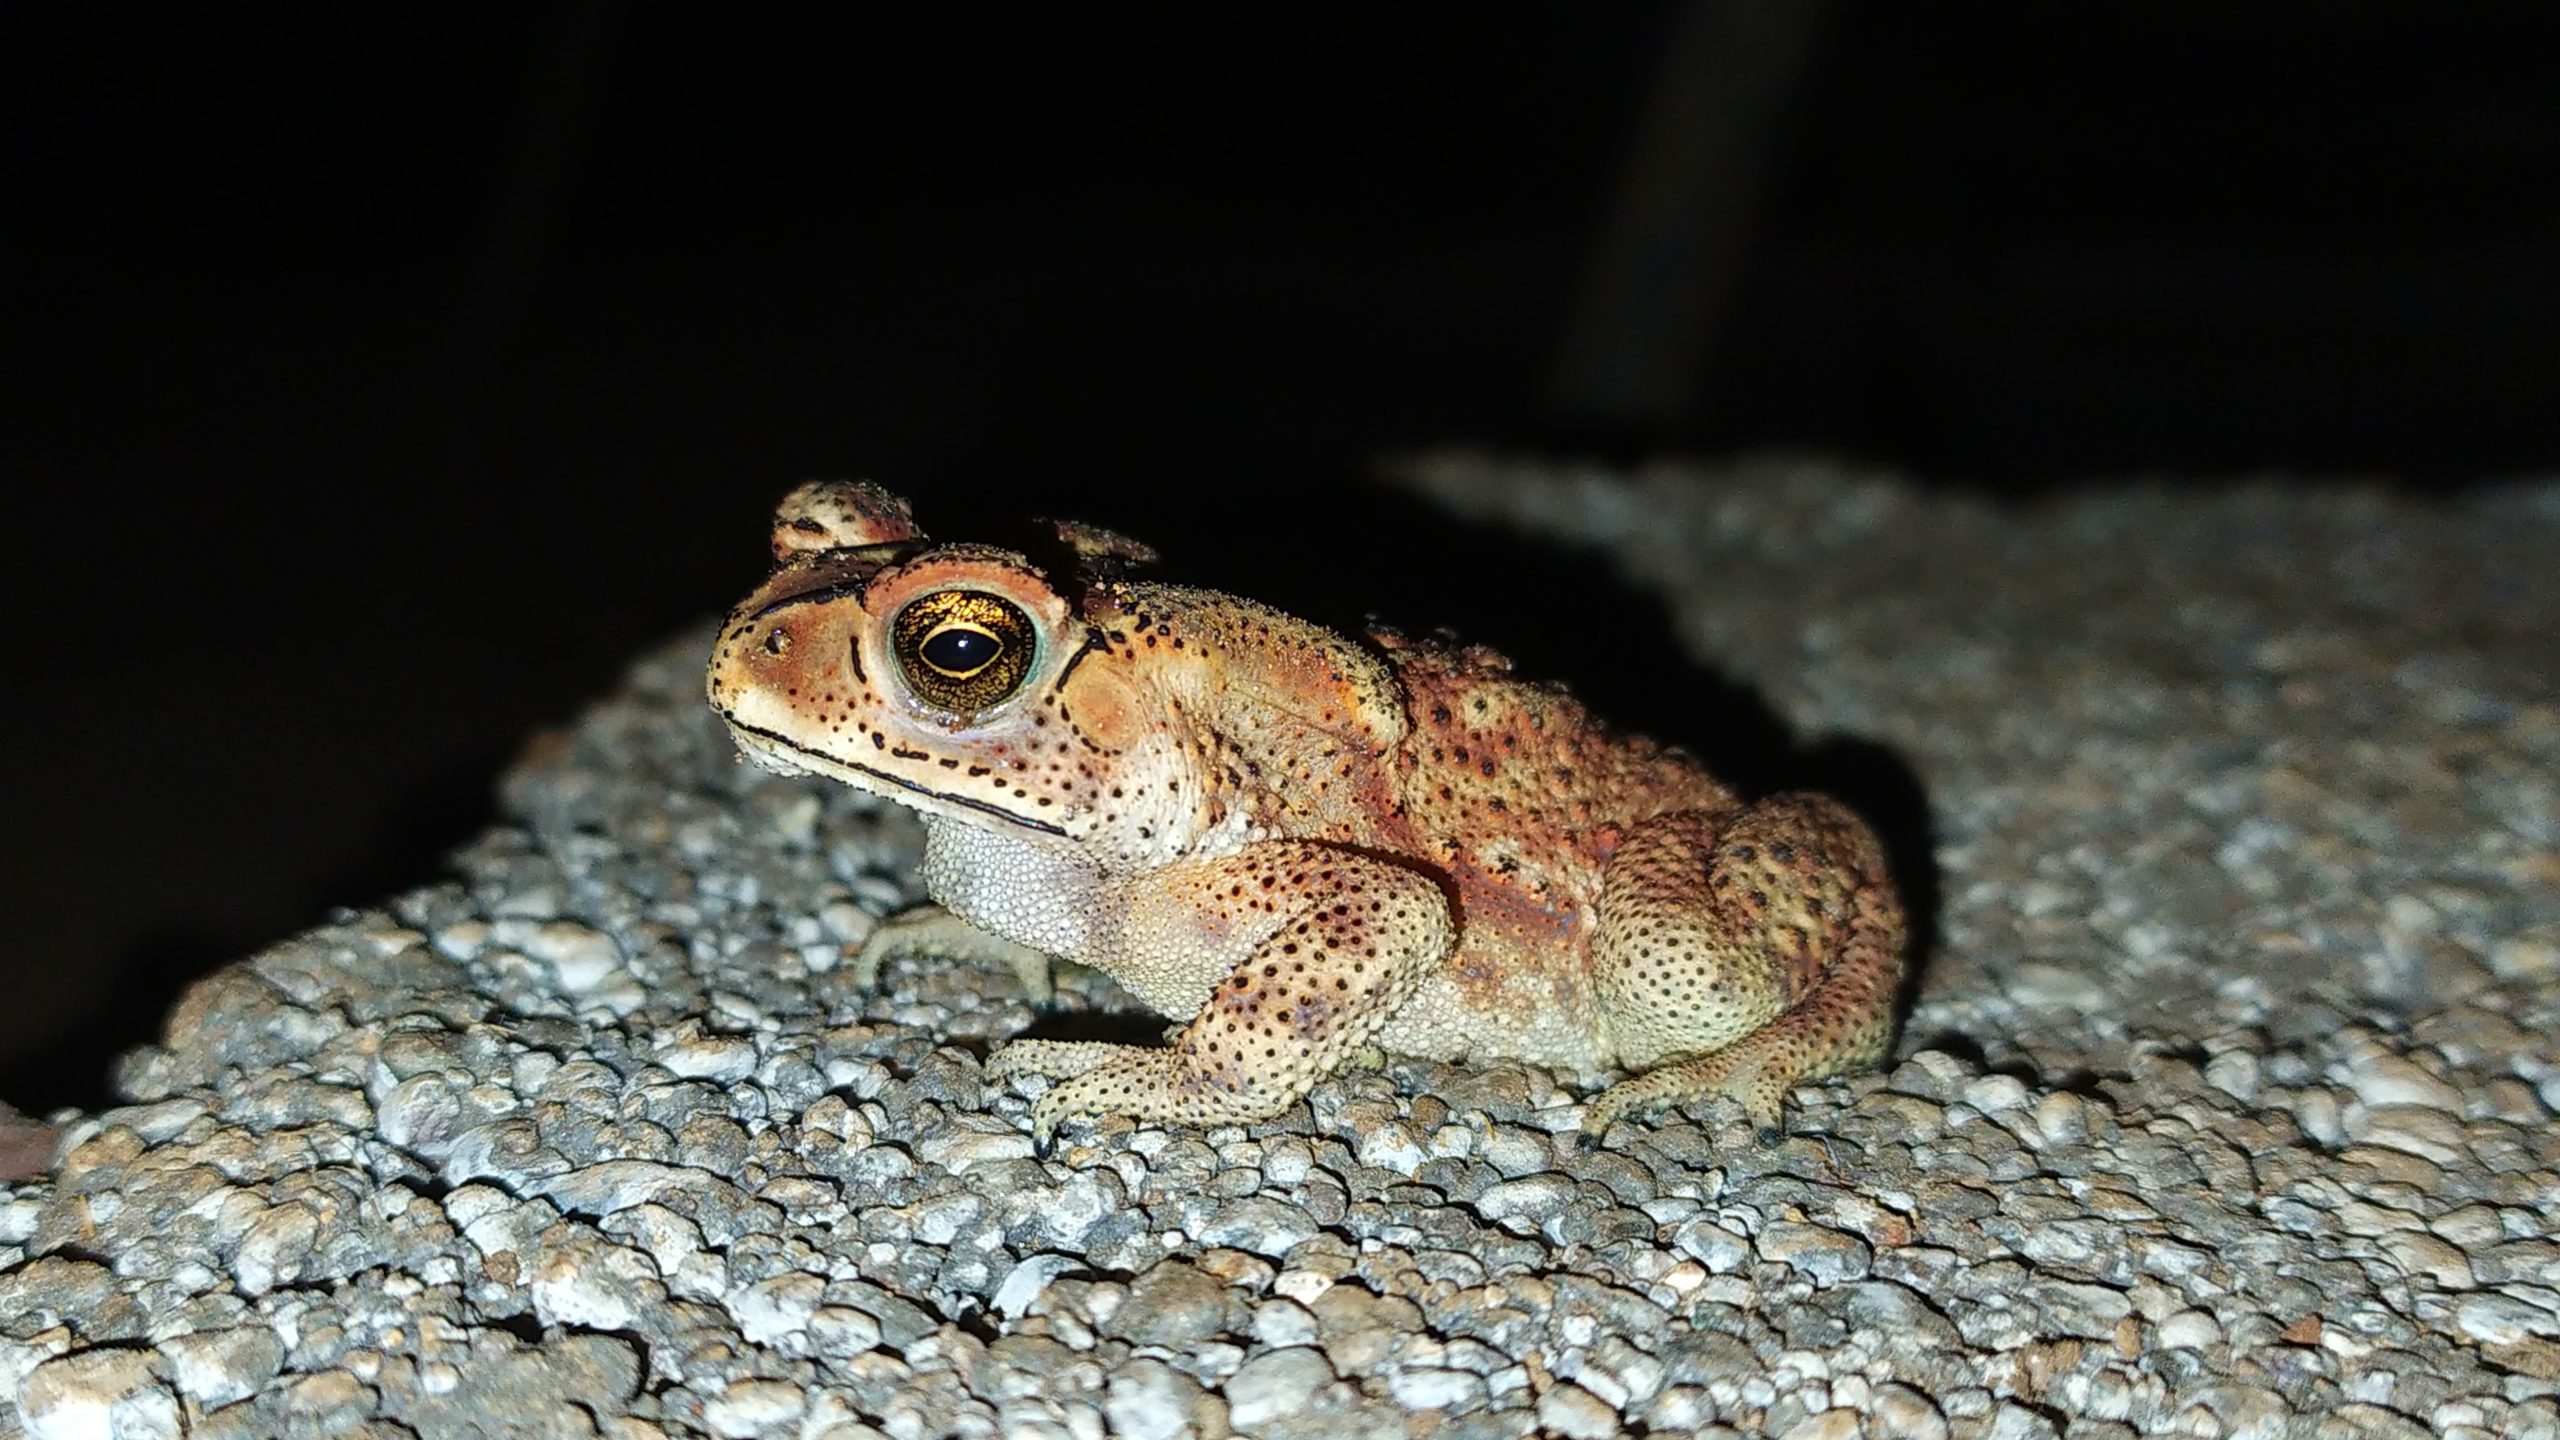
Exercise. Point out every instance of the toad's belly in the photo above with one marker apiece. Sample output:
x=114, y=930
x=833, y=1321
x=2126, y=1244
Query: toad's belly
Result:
x=1480, y=1007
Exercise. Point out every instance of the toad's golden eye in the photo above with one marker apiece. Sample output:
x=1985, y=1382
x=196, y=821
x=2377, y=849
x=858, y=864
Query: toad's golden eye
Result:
x=963, y=650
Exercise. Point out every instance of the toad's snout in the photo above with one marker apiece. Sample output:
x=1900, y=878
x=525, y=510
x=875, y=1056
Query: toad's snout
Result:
x=776, y=655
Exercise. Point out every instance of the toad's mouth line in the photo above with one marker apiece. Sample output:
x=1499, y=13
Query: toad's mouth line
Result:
x=825, y=763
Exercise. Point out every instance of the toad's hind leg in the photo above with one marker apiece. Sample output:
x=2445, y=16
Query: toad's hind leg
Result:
x=1323, y=944
x=1740, y=954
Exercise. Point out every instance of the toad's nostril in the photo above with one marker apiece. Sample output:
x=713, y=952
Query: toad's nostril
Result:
x=776, y=641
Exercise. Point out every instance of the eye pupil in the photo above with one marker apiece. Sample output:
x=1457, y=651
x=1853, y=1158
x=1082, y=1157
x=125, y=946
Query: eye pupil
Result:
x=964, y=651
x=957, y=651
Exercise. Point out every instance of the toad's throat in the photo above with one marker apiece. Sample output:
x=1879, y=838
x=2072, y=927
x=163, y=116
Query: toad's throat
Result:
x=828, y=764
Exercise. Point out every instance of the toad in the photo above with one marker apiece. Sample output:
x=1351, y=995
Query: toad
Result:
x=1308, y=849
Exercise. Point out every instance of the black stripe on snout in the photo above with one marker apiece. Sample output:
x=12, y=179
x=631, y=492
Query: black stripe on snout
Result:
x=970, y=801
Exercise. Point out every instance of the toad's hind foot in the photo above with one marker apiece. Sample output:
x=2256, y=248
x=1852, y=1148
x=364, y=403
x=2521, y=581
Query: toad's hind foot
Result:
x=1744, y=1073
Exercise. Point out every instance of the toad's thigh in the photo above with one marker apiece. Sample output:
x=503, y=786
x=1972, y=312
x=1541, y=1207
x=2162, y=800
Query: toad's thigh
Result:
x=1712, y=926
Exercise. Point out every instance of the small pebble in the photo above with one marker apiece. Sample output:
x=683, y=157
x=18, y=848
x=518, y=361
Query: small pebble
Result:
x=1274, y=1384
x=1571, y=1411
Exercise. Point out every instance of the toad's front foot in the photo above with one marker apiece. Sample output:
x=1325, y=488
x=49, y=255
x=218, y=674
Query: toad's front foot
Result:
x=932, y=930
x=1145, y=1083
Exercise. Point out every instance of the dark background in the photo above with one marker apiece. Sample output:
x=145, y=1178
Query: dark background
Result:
x=375, y=390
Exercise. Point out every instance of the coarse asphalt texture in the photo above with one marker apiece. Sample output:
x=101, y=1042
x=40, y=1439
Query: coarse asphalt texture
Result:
x=2224, y=1103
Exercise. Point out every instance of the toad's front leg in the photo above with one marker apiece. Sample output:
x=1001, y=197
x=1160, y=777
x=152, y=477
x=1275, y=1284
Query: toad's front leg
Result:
x=1308, y=952
x=932, y=930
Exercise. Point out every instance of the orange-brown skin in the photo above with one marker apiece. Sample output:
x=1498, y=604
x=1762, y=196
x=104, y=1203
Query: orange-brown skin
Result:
x=1303, y=846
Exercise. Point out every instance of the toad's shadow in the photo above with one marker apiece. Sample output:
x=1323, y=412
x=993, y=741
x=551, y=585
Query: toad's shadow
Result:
x=1560, y=614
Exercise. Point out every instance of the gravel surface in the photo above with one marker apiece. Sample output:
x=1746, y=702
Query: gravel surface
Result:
x=2224, y=1106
